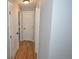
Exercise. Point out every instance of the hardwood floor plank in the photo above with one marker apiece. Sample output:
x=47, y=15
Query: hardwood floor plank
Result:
x=26, y=50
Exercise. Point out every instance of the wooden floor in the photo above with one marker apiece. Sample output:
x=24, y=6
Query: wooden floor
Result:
x=26, y=50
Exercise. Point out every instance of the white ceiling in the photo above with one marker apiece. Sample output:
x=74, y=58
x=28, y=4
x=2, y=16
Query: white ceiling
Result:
x=30, y=6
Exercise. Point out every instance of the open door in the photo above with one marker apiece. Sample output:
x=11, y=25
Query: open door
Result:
x=13, y=29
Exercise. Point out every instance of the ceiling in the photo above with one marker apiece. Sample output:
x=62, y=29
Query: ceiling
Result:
x=30, y=6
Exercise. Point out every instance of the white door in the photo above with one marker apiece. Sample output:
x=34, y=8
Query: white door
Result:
x=28, y=25
x=13, y=29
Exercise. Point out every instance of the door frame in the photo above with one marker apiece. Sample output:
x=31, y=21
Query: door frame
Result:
x=8, y=31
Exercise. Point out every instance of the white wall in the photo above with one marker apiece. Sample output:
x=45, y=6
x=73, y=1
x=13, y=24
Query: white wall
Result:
x=61, y=35
x=55, y=29
x=45, y=28
x=27, y=25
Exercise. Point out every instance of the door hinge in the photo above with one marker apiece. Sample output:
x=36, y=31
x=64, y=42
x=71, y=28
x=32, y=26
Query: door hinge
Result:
x=10, y=36
x=10, y=12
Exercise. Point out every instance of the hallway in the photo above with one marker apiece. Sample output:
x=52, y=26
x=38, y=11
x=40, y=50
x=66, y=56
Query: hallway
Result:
x=39, y=29
x=26, y=50
x=23, y=29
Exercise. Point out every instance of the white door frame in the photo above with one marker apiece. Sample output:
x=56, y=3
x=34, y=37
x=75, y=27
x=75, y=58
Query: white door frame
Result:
x=37, y=28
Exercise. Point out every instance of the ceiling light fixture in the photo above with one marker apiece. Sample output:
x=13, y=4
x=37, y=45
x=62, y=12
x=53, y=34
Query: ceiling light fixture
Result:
x=26, y=1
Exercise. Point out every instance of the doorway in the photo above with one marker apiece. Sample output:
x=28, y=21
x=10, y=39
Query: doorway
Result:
x=13, y=37
x=23, y=26
x=27, y=26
